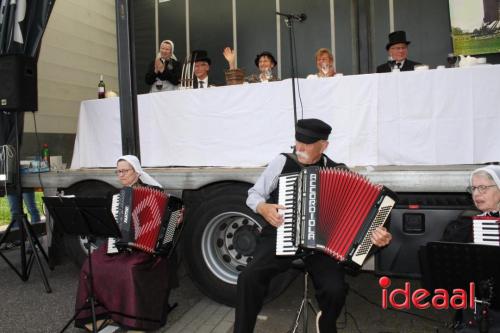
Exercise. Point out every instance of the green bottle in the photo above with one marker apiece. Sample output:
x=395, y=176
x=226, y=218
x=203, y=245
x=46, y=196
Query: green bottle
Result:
x=46, y=155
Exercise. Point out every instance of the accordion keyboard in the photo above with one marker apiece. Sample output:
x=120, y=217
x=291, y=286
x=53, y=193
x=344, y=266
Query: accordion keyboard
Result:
x=115, y=203
x=285, y=239
x=486, y=231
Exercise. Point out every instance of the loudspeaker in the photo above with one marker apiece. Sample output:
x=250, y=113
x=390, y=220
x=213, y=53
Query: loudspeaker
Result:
x=18, y=86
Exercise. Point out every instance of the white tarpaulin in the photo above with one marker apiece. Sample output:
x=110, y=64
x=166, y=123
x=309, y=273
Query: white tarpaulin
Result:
x=447, y=116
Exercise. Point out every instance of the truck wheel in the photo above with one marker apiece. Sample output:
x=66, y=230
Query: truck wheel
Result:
x=219, y=241
x=74, y=245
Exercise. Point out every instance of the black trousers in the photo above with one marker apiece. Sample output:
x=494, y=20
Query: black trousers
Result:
x=253, y=284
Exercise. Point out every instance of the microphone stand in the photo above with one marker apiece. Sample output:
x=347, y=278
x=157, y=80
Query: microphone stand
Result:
x=289, y=24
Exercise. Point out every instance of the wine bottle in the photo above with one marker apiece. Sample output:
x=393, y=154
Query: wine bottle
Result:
x=101, y=88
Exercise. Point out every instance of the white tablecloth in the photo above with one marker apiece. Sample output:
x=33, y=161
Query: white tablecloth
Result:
x=448, y=116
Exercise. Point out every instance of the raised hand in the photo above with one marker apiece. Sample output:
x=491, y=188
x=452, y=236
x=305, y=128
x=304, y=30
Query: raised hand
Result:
x=230, y=56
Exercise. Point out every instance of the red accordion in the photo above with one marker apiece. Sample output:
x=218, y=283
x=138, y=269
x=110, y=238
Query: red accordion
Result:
x=331, y=210
x=147, y=219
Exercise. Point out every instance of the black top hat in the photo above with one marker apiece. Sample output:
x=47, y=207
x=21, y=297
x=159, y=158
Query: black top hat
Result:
x=265, y=54
x=200, y=55
x=397, y=37
x=311, y=130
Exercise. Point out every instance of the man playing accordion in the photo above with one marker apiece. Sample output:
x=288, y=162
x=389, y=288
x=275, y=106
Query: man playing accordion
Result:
x=311, y=137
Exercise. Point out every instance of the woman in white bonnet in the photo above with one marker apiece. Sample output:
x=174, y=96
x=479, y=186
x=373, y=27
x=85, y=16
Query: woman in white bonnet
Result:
x=130, y=173
x=484, y=186
x=164, y=72
x=485, y=189
x=131, y=288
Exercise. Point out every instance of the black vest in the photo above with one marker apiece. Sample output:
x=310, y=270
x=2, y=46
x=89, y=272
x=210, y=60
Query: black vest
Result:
x=293, y=165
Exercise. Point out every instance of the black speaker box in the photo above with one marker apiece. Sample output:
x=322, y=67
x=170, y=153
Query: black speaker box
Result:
x=417, y=218
x=18, y=83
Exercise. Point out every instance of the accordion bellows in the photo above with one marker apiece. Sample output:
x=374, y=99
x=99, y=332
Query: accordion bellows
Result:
x=147, y=218
x=334, y=211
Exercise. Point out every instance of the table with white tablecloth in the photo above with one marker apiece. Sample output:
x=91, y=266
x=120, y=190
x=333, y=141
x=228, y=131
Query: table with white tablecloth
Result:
x=446, y=116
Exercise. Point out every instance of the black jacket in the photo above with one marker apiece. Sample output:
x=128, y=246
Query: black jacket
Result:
x=408, y=65
x=172, y=73
x=211, y=83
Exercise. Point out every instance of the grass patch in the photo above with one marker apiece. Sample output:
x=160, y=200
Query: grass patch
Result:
x=464, y=44
x=5, y=211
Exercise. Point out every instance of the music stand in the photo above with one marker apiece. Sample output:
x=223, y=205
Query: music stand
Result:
x=88, y=217
x=455, y=265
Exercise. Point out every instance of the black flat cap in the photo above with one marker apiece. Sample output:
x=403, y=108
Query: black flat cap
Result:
x=311, y=130
x=200, y=55
x=265, y=54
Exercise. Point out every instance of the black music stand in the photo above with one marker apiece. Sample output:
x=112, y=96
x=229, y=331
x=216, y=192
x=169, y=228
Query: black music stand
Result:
x=455, y=265
x=88, y=217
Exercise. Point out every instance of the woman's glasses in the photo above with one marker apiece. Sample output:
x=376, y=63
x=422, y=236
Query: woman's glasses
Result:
x=481, y=188
x=122, y=171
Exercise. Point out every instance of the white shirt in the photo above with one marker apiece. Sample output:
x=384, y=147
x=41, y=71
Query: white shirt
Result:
x=205, y=82
x=267, y=182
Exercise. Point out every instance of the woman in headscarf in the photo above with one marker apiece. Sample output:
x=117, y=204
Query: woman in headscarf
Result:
x=484, y=186
x=485, y=189
x=164, y=72
x=131, y=288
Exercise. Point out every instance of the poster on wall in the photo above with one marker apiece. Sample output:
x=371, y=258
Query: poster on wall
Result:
x=475, y=26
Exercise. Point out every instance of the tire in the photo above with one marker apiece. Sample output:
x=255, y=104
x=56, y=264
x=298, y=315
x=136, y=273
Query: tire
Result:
x=75, y=245
x=219, y=240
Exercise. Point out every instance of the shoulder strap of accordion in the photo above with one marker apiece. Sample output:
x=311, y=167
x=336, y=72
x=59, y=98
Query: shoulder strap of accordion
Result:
x=293, y=158
x=327, y=162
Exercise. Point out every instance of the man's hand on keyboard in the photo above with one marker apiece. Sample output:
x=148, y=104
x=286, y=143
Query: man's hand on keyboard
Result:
x=271, y=213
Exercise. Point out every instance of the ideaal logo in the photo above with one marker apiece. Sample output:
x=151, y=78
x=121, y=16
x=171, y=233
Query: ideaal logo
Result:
x=401, y=298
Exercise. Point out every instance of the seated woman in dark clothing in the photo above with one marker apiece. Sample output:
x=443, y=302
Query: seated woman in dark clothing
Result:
x=264, y=61
x=131, y=288
x=485, y=190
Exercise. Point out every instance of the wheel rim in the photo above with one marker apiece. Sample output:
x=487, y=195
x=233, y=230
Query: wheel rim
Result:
x=228, y=243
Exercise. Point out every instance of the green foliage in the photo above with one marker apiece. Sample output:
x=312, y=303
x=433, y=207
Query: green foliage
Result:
x=456, y=31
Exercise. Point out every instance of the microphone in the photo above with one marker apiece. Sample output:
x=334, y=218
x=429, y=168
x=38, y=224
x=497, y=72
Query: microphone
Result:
x=299, y=17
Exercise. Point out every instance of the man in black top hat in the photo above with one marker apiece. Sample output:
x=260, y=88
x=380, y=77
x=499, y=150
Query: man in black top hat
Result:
x=201, y=69
x=311, y=137
x=398, y=54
